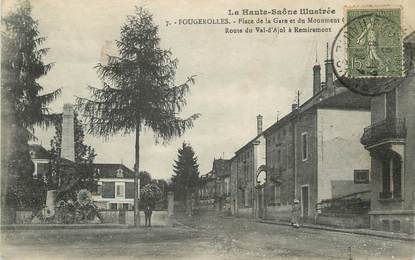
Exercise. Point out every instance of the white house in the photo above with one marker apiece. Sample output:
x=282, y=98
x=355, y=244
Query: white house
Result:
x=115, y=186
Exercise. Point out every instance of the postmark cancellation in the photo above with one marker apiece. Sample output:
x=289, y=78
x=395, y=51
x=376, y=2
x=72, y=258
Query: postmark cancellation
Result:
x=374, y=42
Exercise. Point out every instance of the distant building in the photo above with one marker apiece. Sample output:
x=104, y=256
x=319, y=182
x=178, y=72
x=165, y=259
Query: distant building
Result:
x=41, y=159
x=207, y=191
x=247, y=162
x=390, y=139
x=221, y=169
x=115, y=186
x=214, y=187
x=234, y=186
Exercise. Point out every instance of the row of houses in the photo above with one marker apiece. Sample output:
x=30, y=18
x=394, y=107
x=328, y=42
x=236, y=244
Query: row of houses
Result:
x=349, y=159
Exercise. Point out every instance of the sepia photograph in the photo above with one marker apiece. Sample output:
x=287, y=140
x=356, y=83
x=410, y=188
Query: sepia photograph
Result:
x=274, y=129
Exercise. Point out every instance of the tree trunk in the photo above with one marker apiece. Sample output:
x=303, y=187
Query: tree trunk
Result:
x=136, y=179
x=188, y=199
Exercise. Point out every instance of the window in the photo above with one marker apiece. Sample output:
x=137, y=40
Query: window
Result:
x=304, y=145
x=120, y=173
x=396, y=226
x=391, y=104
x=277, y=195
x=129, y=190
x=284, y=157
x=113, y=206
x=290, y=156
x=278, y=156
x=391, y=177
x=120, y=190
x=108, y=190
x=385, y=225
x=246, y=197
x=361, y=176
x=99, y=190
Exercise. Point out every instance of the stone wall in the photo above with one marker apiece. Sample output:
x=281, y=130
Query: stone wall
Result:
x=23, y=217
x=401, y=223
x=344, y=220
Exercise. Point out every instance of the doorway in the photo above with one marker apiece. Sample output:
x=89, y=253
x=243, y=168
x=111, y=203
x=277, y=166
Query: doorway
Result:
x=304, y=201
x=260, y=203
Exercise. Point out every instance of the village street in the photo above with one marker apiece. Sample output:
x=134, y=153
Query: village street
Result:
x=199, y=238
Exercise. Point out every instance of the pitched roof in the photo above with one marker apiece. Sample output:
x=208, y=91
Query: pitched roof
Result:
x=282, y=122
x=342, y=99
x=38, y=152
x=110, y=170
x=255, y=139
x=346, y=99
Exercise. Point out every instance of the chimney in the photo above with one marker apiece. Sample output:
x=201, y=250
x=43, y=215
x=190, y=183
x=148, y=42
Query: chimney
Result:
x=294, y=107
x=259, y=124
x=316, y=79
x=329, y=69
x=68, y=143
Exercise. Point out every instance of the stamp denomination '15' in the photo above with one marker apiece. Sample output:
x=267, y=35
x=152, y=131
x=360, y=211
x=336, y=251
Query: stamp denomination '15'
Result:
x=374, y=42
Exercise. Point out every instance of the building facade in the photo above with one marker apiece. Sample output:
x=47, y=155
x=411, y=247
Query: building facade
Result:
x=234, y=186
x=328, y=156
x=222, y=171
x=207, y=191
x=313, y=154
x=41, y=160
x=115, y=186
x=279, y=187
x=248, y=161
x=390, y=140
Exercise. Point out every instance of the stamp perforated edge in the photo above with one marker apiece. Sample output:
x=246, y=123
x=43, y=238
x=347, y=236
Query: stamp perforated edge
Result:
x=402, y=31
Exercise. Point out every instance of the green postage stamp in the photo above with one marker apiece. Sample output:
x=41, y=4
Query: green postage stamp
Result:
x=374, y=42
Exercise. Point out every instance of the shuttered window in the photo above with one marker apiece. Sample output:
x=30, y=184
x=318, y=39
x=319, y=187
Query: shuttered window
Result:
x=129, y=190
x=304, y=144
x=108, y=190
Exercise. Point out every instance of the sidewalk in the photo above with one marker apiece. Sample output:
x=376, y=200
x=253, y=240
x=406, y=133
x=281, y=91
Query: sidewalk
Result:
x=368, y=232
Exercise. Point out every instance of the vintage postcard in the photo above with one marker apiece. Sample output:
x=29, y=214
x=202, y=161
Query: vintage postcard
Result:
x=137, y=129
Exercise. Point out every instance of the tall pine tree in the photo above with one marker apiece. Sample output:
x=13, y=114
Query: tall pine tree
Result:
x=23, y=105
x=186, y=177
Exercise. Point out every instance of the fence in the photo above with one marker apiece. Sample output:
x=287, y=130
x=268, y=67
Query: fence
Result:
x=159, y=218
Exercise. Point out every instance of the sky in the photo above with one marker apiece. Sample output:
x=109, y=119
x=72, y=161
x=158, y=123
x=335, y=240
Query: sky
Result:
x=238, y=75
